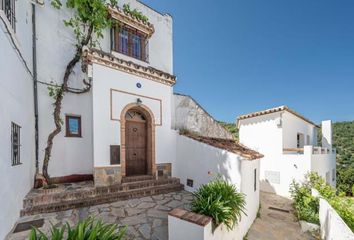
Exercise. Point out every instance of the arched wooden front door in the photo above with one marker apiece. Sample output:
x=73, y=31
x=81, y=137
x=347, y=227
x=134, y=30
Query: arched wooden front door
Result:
x=136, y=143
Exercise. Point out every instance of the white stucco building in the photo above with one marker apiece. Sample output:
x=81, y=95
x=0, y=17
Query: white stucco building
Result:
x=124, y=126
x=288, y=142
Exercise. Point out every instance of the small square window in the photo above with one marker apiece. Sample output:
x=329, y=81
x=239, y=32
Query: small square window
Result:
x=189, y=182
x=73, y=126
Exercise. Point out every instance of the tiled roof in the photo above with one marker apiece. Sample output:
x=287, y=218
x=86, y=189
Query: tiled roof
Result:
x=226, y=144
x=109, y=60
x=129, y=19
x=274, y=110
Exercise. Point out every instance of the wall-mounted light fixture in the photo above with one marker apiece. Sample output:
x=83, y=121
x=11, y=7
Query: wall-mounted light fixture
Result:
x=139, y=101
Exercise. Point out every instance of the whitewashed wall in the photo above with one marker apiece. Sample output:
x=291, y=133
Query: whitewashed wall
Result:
x=291, y=167
x=323, y=164
x=264, y=134
x=55, y=48
x=180, y=229
x=106, y=131
x=292, y=125
x=16, y=105
x=332, y=225
x=193, y=231
x=202, y=163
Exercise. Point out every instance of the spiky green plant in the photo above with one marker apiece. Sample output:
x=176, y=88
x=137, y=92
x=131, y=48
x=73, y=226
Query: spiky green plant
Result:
x=221, y=201
x=88, y=229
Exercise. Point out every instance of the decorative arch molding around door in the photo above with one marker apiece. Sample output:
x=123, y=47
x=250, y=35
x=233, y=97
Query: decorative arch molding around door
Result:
x=137, y=134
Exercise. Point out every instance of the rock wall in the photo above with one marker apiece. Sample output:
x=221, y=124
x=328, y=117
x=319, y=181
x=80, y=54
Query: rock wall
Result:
x=189, y=115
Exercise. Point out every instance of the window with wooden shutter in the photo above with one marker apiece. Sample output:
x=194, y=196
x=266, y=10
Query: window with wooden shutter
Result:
x=129, y=41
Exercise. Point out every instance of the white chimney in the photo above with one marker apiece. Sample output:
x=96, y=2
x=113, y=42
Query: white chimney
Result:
x=327, y=134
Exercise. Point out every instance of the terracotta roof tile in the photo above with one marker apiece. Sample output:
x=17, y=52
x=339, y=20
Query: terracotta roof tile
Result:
x=226, y=144
x=274, y=110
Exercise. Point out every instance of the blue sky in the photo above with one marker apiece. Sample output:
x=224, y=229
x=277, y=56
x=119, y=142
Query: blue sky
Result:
x=236, y=57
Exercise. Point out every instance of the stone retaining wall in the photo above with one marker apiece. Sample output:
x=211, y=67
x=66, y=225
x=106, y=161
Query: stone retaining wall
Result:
x=189, y=115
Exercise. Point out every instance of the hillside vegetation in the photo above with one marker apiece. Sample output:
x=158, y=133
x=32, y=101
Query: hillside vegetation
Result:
x=231, y=127
x=343, y=141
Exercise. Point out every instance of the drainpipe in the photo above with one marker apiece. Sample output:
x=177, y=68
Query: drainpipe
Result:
x=35, y=90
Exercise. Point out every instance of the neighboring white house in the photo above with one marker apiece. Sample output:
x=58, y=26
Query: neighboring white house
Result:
x=288, y=142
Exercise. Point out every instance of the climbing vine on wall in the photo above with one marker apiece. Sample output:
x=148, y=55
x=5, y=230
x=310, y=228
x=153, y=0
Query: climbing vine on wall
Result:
x=89, y=19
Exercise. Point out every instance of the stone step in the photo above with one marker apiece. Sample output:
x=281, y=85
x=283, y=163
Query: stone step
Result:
x=137, y=178
x=108, y=197
x=69, y=195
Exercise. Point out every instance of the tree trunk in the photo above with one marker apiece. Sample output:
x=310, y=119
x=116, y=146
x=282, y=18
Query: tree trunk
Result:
x=58, y=103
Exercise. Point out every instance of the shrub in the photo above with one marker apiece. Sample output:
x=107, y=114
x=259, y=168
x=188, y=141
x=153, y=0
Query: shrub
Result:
x=344, y=206
x=221, y=201
x=87, y=229
x=306, y=206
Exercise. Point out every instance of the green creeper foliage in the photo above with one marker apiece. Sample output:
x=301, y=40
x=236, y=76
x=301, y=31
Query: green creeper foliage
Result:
x=135, y=13
x=88, y=229
x=221, y=201
x=88, y=13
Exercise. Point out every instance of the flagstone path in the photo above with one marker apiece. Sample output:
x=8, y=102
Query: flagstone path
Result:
x=275, y=224
x=145, y=218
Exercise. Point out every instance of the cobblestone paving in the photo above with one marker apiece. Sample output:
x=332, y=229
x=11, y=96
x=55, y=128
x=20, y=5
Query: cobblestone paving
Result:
x=274, y=224
x=145, y=218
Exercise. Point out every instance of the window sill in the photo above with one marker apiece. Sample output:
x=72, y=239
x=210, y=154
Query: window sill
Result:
x=15, y=165
x=70, y=136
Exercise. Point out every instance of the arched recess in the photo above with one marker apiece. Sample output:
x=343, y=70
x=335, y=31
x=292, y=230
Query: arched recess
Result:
x=150, y=139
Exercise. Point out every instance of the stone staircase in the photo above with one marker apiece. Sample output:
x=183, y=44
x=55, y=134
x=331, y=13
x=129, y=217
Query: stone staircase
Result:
x=63, y=198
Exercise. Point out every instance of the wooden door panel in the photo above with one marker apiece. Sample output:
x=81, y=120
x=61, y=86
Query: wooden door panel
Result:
x=136, y=134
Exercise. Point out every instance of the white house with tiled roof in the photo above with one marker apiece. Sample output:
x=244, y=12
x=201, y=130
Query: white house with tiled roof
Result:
x=288, y=142
x=122, y=132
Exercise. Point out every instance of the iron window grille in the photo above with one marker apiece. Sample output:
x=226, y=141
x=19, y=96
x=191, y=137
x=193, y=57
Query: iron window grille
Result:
x=15, y=144
x=130, y=42
x=8, y=6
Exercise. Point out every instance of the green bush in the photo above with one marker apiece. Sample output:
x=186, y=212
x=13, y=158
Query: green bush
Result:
x=87, y=229
x=344, y=206
x=221, y=201
x=307, y=206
